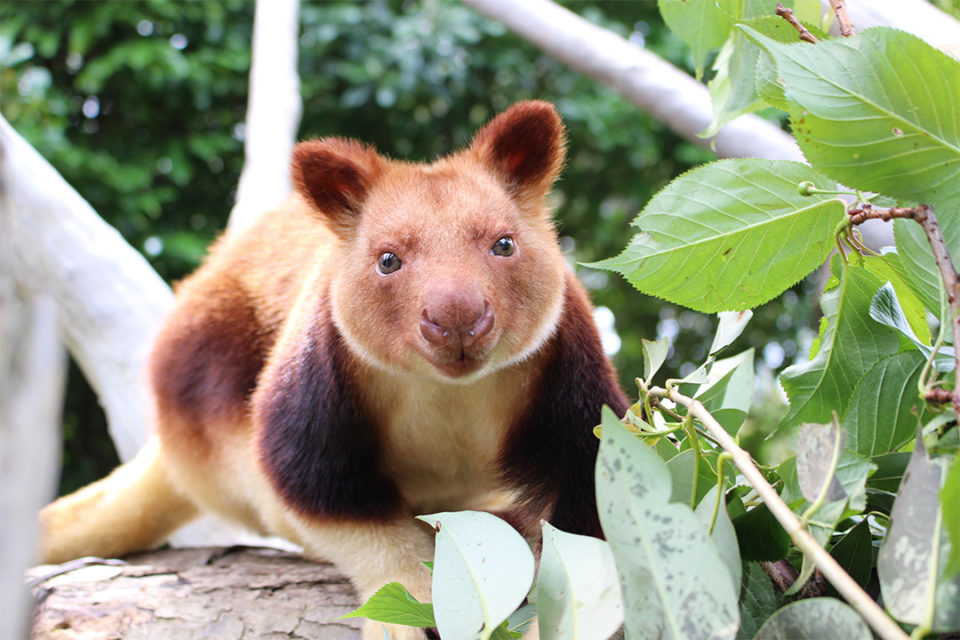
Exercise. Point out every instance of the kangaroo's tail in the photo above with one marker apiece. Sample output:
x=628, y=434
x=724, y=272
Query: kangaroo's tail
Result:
x=134, y=508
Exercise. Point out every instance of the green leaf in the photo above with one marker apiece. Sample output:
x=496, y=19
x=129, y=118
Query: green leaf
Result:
x=393, y=604
x=850, y=343
x=654, y=355
x=723, y=533
x=879, y=418
x=482, y=571
x=730, y=235
x=758, y=601
x=815, y=619
x=673, y=581
x=854, y=552
x=760, y=536
x=886, y=310
x=890, y=470
x=950, y=503
x=703, y=24
x=729, y=392
x=889, y=267
x=681, y=467
x=901, y=94
x=734, y=89
x=578, y=593
x=917, y=259
x=912, y=560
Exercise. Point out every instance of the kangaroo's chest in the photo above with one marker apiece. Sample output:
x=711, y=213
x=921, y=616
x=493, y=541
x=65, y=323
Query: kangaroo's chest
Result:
x=442, y=443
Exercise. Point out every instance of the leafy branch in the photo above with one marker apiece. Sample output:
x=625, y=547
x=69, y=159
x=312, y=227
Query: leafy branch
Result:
x=831, y=569
x=925, y=216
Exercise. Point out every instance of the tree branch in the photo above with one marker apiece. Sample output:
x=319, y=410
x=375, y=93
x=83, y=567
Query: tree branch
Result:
x=842, y=582
x=642, y=77
x=843, y=21
x=110, y=301
x=273, y=111
x=33, y=369
x=787, y=14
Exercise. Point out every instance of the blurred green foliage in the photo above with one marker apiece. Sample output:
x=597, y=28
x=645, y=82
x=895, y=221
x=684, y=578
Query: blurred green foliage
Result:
x=140, y=106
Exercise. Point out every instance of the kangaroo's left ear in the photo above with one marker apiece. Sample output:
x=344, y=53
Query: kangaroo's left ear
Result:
x=524, y=147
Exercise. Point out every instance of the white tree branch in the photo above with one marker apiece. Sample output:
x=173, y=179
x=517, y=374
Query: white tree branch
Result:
x=110, y=301
x=32, y=368
x=653, y=84
x=273, y=111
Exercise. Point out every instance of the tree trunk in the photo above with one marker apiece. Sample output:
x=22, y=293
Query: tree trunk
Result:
x=223, y=593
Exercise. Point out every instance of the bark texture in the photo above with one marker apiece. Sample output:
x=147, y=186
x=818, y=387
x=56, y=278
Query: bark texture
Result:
x=218, y=593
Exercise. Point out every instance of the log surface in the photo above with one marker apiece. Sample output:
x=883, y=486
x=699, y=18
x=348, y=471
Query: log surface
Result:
x=228, y=593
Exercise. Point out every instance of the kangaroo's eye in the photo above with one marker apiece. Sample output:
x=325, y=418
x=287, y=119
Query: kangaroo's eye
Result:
x=503, y=247
x=388, y=263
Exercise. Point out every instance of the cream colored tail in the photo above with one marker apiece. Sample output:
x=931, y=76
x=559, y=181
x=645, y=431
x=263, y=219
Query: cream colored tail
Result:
x=134, y=508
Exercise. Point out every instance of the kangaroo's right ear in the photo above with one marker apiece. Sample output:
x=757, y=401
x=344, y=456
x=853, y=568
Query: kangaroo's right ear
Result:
x=335, y=176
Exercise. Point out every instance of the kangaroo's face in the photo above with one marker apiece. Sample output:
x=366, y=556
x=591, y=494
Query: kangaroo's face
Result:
x=452, y=269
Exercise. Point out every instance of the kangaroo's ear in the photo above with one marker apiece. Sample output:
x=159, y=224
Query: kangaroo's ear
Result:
x=335, y=176
x=525, y=148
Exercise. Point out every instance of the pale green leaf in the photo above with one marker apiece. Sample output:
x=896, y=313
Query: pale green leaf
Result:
x=723, y=533
x=877, y=112
x=808, y=11
x=482, y=571
x=879, y=418
x=818, y=452
x=578, y=592
x=393, y=604
x=950, y=503
x=815, y=619
x=654, y=355
x=691, y=478
x=703, y=24
x=757, y=600
x=852, y=472
x=728, y=393
x=912, y=560
x=731, y=324
x=730, y=235
x=673, y=581
x=850, y=343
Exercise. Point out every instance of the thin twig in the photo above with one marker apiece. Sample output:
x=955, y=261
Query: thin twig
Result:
x=866, y=211
x=843, y=20
x=951, y=284
x=939, y=396
x=847, y=587
x=787, y=14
